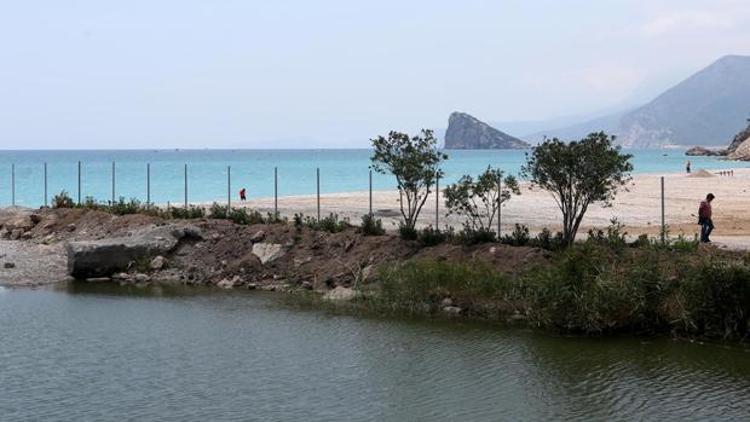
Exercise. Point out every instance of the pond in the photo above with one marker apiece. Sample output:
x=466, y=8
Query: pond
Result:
x=110, y=353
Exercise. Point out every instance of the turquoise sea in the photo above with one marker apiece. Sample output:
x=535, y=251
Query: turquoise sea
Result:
x=340, y=171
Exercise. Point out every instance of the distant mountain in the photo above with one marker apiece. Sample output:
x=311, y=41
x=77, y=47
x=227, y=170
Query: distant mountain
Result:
x=467, y=132
x=707, y=108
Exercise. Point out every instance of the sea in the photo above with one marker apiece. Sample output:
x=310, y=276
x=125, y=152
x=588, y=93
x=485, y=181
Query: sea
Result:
x=214, y=174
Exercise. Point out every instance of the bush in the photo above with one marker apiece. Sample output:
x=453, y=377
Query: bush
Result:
x=330, y=224
x=217, y=211
x=471, y=236
x=546, y=240
x=191, y=212
x=62, y=200
x=371, y=226
x=614, y=237
x=430, y=236
x=519, y=237
x=407, y=232
x=121, y=207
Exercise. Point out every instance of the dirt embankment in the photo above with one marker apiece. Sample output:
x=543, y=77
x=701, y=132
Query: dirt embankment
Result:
x=269, y=256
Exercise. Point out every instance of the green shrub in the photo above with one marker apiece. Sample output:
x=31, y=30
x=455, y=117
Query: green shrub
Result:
x=430, y=236
x=332, y=224
x=370, y=226
x=471, y=236
x=407, y=233
x=122, y=207
x=546, y=240
x=519, y=236
x=62, y=200
x=191, y=212
x=217, y=211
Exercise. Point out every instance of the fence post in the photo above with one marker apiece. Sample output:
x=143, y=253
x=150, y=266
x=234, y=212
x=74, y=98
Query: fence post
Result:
x=370, y=193
x=79, y=183
x=499, y=206
x=186, y=187
x=275, y=193
x=113, y=182
x=148, y=185
x=13, y=185
x=229, y=189
x=437, y=200
x=317, y=178
x=45, y=185
x=663, y=226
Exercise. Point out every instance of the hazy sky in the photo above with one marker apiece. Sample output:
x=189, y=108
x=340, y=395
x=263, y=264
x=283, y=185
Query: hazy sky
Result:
x=187, y=73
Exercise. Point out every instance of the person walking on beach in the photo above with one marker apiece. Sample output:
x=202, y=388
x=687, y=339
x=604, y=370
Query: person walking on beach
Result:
x=243, y=196
x=704, y=218
x=687, y=167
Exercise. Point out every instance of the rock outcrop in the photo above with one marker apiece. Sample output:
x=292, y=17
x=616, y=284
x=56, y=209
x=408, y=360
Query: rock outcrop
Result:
x=741, y=152
x=467, y=132
x=102, y=258
x=733, y=150
x=705, y=152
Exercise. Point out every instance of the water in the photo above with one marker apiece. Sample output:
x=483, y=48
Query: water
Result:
x=110, y=353
x=341, y=171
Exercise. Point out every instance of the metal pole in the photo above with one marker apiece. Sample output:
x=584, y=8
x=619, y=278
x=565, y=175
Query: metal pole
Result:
x=318, y=183
x=113, y=182
x=663, y=226
x=275, y=193
x=229, y=189
x=13, y=184
x=45, y=185
x=186, y=187
x=370, y=193
x=499, y=206
x=79, y=183
x=437, y=201
x=148, y=184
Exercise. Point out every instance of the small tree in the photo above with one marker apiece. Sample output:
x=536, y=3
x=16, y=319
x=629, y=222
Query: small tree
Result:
x=478, y=200
x=415, y=162
x=578, y=174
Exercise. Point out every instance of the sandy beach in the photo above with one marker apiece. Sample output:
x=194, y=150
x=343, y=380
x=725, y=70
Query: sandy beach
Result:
x=639, y=208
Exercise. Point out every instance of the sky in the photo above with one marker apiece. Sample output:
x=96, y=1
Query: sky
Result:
x=333, y=74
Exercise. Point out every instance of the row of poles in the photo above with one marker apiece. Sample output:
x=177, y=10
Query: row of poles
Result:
x=276, y=192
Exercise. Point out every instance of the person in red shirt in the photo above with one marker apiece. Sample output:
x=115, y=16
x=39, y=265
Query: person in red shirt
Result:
x=243, y=194
x=704, y=218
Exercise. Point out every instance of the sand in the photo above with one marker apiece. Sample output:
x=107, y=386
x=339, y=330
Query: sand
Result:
x=639, y=208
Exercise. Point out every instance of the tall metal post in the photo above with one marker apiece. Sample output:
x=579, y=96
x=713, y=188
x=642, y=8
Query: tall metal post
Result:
x=370, y=193
x=437, y=201
x=148, y=184
x=499, y=206
x=186, y=187
x=79, y=183
x=663, y=226
x=275, y=193
x=13, y=184
x=317, y=178
x=229, y=189
x=45, y=185
x=113, y=182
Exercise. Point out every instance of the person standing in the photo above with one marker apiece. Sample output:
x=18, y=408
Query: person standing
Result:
x=704, y=218
x=243, y=194
x=687, y=167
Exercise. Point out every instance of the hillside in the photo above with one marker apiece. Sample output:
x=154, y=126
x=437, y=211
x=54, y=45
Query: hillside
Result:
x=706, y=109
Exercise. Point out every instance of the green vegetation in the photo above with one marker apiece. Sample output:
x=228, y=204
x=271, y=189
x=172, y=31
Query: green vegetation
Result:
x=578, y=174
x=330, y=224
x=588, y=288
x=371, y=226
x=478, y=200
x=415, y=162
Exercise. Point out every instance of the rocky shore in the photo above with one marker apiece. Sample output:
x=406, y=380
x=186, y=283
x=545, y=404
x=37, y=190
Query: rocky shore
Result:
x=54, y=245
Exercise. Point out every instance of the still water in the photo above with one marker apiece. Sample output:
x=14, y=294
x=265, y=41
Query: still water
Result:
x=110, y=353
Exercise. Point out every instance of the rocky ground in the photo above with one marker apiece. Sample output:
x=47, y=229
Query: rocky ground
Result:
x=47, y=246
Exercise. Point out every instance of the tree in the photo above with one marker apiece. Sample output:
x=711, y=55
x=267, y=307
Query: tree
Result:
x=578, y=174
x=415, y=161
x=478, y=200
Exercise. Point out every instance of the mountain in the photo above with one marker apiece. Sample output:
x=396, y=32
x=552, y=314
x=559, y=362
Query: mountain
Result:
x=467, y=132
x=705, y=109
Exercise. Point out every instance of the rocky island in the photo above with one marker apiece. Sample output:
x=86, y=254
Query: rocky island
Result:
x=738, y=149
x=467, y=132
